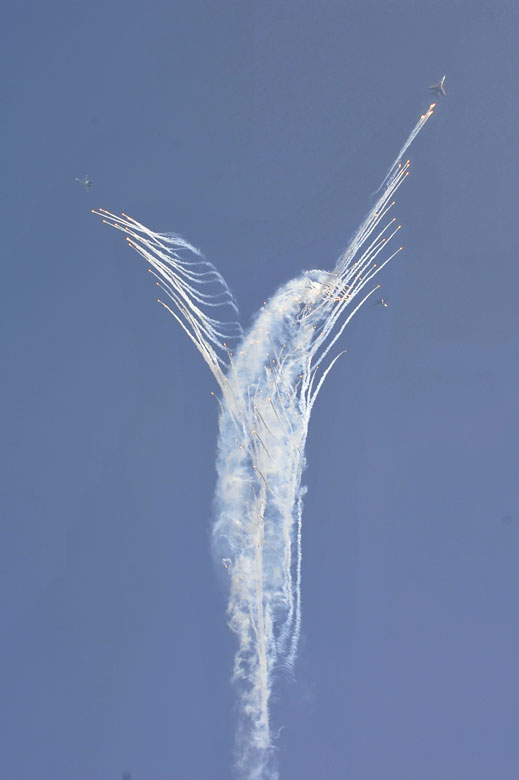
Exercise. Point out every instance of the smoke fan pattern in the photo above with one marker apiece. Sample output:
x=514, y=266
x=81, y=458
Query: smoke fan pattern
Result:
x=269, y=379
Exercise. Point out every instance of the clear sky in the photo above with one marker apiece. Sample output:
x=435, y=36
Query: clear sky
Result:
x=258, y=131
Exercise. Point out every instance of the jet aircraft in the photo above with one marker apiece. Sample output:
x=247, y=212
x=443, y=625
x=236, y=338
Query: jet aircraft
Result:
x=86, y=181
x=438, y=89
x=382, y=302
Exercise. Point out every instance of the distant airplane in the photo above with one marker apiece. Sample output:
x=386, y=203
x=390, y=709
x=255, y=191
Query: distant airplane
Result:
x=383, y=302
x=438, y=89
x=86, y=181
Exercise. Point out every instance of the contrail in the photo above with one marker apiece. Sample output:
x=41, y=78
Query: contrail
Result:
x=269, y=379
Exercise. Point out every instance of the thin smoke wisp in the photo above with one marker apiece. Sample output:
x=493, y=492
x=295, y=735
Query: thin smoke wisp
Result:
x=269, y=379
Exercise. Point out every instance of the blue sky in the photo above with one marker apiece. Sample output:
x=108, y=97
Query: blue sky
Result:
x=258, y=131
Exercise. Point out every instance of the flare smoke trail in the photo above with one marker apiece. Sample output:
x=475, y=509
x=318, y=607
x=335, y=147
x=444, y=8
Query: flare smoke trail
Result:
x=269, y=379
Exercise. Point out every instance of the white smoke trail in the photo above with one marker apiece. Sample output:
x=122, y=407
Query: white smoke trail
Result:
x=269, y=380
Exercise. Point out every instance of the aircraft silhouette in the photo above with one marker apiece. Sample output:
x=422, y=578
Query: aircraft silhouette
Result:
x=86, y=181
x=438, y=89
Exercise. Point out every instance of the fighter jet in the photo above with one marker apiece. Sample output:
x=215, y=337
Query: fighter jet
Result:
x=438, y=89
x=86, y=181
x=382, y=302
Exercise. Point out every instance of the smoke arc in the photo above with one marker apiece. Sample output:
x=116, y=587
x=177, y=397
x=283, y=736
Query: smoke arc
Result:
x=269, y=379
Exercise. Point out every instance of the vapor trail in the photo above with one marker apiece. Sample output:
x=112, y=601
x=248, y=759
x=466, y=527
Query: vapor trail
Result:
x=269, y=379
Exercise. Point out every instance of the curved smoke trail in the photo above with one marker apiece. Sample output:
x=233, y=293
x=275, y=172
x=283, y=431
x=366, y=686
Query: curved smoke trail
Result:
x=269, y=380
